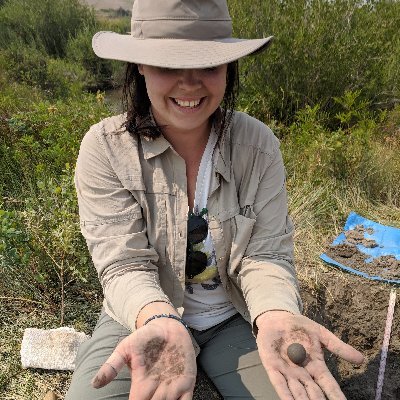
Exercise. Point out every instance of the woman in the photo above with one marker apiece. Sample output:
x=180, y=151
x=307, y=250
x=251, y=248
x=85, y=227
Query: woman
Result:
x=183, y=205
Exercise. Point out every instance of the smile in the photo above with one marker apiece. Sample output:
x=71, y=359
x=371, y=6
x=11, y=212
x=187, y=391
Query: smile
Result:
x=187, y=103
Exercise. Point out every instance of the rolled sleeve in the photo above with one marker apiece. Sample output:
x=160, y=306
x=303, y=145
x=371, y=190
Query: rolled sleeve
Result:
x=115, y=231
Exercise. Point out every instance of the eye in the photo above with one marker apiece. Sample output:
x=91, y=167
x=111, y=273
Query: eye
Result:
x=162, y=69
x=165, y=70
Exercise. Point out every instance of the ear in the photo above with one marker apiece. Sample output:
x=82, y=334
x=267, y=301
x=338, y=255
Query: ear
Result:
x=140, y=69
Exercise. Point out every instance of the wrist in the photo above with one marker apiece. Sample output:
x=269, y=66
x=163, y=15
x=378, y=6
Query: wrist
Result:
x=170, y=316
x=267, y=316
x=154, y=308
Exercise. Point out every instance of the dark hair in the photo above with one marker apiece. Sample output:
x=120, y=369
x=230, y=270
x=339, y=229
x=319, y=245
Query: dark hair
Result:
x=136, y=102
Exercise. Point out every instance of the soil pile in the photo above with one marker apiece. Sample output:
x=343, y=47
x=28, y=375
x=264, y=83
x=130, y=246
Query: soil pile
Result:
x=347, y=253
x=355, y=310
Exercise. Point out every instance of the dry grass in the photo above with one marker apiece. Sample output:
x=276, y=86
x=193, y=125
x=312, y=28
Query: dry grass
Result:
x=319, y=214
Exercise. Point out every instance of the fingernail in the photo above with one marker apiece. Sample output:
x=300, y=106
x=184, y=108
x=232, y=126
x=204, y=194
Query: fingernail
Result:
x=97, y=382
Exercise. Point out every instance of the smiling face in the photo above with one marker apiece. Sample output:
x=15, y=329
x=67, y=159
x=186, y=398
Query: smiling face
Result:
x=182, y=100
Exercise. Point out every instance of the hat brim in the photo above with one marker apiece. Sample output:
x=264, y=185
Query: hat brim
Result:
x=174, y=53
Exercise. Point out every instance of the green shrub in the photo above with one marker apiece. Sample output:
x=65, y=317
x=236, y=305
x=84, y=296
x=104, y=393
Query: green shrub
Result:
x=64, y=78
x=362, y=154
x=41, y=248
x=321, y=50
x=14, y=96
x=15, y=256
x=51, y=219
x=43, y=24
x=99, y=71
x=34, y=36
x=48, y=136
x=26, y=65
x=41, y=137
x=56, y=77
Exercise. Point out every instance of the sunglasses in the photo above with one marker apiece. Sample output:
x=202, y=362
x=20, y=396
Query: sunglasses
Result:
x=196, y=261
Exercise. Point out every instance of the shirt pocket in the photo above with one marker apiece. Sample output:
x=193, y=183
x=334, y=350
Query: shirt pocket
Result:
x=156, y=222
x=241, y=227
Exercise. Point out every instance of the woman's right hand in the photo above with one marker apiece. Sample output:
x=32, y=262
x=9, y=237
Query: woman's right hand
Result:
x=161, y=358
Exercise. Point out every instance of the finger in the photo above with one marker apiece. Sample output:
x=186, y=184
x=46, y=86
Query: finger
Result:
x=314, y=392
x=186, y=396
x=143, y=390
x=297, y=389
x=279, y=383
x=337, y=346
x=161, y=392
x=325, y=381
x=175, y=391
x=109, y=370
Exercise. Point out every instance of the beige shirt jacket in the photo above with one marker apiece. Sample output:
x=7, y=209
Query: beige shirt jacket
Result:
x=133, y=208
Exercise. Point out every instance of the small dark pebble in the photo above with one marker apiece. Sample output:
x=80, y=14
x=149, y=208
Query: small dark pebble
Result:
x=297, y=353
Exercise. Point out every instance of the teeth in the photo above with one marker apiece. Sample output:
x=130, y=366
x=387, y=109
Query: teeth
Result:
x=186, y=103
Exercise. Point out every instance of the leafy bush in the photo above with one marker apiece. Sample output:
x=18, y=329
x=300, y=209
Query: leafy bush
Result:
x=46, y=25
x=363, y=152
x=100, y=72
x=48, y=45
x=48, y=136
x=13, y=241
x=56, y=77
x=41, y=249
x=15, y=257
x=321, y=50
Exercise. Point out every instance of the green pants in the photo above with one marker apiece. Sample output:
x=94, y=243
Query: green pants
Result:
x=228, y=355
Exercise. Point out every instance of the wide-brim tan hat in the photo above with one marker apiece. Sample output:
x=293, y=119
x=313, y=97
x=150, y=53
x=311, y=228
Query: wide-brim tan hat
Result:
x=177, y=34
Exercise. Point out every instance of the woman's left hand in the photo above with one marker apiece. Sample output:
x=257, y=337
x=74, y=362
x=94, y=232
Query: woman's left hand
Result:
x=311, y=380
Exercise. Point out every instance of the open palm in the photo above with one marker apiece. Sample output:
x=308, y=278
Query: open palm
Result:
x=312, y=380
x=161, y=359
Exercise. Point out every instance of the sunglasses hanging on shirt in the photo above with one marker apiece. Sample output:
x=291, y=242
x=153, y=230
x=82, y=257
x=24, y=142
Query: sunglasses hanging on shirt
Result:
x=196, y=261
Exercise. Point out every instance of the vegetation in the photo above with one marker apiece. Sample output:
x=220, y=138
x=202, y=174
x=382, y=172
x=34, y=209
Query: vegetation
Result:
x=329, y=88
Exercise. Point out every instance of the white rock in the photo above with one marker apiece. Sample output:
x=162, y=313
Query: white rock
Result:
x=51, y=348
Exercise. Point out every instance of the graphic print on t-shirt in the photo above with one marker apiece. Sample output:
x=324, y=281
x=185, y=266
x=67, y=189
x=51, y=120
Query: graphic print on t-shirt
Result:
x=205, y=302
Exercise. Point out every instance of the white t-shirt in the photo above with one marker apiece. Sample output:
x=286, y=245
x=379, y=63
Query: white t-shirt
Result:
x=205, y=302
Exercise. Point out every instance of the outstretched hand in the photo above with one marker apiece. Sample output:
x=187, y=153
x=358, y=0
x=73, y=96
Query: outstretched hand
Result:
x=161, y=359
x=311, y=380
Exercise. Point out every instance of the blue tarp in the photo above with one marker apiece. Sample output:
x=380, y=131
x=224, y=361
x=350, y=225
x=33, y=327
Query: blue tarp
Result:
x=387, y=239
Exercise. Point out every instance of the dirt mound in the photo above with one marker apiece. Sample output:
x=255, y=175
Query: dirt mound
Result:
x=355, y=309
x=347, y=253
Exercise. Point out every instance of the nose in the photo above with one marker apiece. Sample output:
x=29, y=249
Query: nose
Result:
x=190, y=79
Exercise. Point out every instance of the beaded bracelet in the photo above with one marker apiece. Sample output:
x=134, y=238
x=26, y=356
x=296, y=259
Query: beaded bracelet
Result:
x=167, y=316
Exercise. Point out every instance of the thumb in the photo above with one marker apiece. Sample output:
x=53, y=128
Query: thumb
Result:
x=110, y=369
x=340, y=348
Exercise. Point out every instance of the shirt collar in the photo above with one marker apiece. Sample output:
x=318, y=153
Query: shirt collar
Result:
x=222, y=158
x=154, y=147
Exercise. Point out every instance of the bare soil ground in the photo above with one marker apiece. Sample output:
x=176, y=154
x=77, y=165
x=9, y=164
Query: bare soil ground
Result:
x=355, y=309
